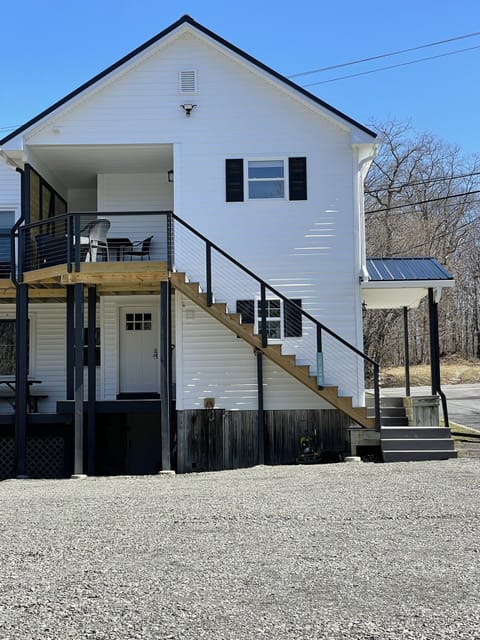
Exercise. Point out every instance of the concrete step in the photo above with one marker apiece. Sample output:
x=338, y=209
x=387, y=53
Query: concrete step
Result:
x=416, y=456
x=388, y=412
x=414, y=432
x=417, y=444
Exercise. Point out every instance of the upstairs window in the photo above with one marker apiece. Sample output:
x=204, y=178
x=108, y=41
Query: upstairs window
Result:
x=266, y=179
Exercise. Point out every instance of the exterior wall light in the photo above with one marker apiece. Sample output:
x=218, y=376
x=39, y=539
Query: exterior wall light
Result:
x=188, y=108
x=170, y=175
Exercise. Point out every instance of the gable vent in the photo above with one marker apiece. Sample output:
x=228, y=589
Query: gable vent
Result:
x=188, y=81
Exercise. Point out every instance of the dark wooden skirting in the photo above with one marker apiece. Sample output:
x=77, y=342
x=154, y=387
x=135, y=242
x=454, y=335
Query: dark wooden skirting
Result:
x=37, y=418
x=212, y=440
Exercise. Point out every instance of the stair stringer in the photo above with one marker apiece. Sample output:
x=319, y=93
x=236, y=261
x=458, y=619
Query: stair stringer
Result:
x=301, y=373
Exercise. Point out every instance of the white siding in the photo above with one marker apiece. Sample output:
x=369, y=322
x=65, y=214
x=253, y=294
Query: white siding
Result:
x=215, y=363
x=137, y=192
x=307, y=249
x=10, y=196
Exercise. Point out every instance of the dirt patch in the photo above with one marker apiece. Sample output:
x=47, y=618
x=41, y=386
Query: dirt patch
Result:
x=453, y=370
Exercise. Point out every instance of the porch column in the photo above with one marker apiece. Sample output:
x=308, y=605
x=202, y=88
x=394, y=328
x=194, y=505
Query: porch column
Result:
x=78, y=419
x=406, y=351
x=70, y=355
x=165, y=374
x=260, y=413
x=21, y=383
x=434, y=342
x=92, y=379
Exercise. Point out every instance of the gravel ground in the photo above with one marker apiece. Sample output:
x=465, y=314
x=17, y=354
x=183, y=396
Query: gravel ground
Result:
x=353, y=550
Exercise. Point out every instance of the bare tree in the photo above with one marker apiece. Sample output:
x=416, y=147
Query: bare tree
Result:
x=421, y=200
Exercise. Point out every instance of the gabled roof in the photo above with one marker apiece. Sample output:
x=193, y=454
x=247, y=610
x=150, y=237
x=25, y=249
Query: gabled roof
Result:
x=186, y=19
x=403, y=269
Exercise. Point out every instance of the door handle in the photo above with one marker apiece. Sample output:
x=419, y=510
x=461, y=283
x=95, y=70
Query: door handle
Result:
x=155, y=354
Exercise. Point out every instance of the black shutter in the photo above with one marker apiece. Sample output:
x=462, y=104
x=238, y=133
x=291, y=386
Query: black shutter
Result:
x=292, y=319
x=234, y=180
x=247, y=309
x=297, y=178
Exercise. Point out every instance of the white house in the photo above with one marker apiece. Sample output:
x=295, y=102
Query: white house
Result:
x=249, y=191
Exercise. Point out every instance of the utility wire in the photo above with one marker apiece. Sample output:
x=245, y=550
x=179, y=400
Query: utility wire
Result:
x=437, y=237
x=384, y=55
x=413, y=204
x=427, y=181
x=393, y=66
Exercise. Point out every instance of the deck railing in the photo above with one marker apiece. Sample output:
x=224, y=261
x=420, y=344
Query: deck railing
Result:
x=276, y=316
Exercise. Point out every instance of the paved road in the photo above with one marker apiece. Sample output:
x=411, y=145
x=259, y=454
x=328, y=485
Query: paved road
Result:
x=463, y=401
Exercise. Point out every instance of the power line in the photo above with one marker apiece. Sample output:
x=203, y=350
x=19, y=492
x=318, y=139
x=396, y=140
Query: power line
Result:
x=384, y=55
x=413, y=204
x=437, y=237
x=429, y=181
x=393, y=66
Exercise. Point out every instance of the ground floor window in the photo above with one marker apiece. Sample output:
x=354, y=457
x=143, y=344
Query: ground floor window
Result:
x=8, y=348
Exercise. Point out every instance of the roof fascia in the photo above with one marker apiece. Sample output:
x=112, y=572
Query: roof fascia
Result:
x=187, y=20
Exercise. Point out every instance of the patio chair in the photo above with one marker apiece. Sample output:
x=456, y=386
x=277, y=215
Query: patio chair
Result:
x=97, y=239
x=140, y=249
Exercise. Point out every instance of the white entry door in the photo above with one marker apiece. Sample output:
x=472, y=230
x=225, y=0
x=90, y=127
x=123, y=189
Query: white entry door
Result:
x=139, y=350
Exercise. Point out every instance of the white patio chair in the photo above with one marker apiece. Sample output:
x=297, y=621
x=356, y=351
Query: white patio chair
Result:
x=97, y=239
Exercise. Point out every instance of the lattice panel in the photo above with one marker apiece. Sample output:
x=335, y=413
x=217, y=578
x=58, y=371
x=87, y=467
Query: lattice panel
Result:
x=45, y=457
x=7, y=458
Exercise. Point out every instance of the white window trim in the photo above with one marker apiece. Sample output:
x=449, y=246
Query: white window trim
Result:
x=280, y=319
x=273, y=158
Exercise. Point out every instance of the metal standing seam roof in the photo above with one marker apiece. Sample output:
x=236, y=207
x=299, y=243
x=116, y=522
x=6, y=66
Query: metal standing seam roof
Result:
x=402, y=269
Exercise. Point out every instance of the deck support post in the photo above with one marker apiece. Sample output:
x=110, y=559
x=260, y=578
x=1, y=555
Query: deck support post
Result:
x=21, y=381
x=78, y=419
x=70, y=329
x=165, y=374
x=406, y=351
x=434, y=342
x=92, y=379
x=261, y=414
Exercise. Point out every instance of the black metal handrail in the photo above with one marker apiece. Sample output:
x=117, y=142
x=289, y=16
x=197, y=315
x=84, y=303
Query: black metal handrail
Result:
x=320, y=327
x=71, y=231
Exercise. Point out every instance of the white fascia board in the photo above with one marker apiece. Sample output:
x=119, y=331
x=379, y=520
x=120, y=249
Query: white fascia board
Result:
x=407, y=284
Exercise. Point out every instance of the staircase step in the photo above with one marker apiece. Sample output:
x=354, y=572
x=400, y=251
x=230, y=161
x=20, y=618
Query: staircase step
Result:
x=393, y=422
x=385, y=401
x=417, y=444
x=388, y=412
x=417, y=456
x=409, y=433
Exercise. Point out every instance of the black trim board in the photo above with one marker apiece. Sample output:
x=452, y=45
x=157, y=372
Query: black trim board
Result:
x=186, y=19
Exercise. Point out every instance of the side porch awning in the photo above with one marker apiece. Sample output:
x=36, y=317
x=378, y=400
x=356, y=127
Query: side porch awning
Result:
x=403, y=282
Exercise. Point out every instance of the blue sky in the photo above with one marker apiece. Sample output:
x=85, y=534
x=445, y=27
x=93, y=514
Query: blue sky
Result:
x=50, y=47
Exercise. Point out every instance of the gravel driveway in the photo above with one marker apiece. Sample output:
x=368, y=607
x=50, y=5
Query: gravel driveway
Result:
x=353, y=550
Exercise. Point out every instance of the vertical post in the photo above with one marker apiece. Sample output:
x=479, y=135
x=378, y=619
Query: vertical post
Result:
x=70, y=330
x=376, y=389
x=21, y=382
x=261, y=414
x=165, y=374
x=69, y=243
x=170, y=241
x=263, y=315
x=76, y=226
x=434, y=342
x=406, y=349
x=78, y=420
x=92, y=379
x=208, y=267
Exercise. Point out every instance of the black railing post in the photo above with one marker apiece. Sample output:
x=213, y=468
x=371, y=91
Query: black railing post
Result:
x=406, y=350
x=169, y=241
x=77, y=242
x=208, y=267
x=263, y=315
x=376, y=390
x=69, y=244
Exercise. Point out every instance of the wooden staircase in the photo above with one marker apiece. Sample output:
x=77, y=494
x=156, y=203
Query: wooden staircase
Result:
x=233, y=321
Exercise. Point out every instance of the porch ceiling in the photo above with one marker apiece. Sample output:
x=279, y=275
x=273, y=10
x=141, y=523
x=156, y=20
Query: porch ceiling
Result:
x=77, y=166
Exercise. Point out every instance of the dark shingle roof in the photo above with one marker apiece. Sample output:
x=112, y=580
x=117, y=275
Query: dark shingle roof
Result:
x=401, y=269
